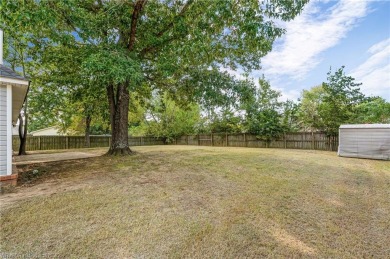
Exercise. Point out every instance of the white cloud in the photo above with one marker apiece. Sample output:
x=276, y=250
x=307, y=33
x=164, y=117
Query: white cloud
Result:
x=374, y=73
x=292, y=95
x=310, y=34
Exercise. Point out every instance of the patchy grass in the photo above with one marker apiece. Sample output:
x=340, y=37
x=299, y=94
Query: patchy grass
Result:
x=179, y=201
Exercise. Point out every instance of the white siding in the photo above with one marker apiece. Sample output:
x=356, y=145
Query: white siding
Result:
x=365, y=142
x=3, y=130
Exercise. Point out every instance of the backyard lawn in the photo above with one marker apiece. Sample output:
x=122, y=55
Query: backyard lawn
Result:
x=183, y=201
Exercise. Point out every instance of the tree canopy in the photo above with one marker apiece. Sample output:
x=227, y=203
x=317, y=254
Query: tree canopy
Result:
x=340, y=101
x=263, y=112
x=342, y=93
x=138, y=46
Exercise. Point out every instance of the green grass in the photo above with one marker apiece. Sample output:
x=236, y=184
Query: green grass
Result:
x=199, y=202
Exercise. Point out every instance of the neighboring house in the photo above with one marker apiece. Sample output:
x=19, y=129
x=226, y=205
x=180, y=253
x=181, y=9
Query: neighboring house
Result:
x=50, y=131
x=13, y=90
x=15, y=130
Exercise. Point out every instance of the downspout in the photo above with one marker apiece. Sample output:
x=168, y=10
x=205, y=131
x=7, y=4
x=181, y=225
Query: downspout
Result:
x=1, y=47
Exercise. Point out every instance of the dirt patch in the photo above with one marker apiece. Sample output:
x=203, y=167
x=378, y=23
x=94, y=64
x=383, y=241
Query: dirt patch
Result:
x=44, y=173
x=44, y=189
x=36, y=158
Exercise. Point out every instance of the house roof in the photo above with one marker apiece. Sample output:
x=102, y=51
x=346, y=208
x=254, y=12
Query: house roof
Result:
x=9, y=73
x=40, y=130
x=20, y=87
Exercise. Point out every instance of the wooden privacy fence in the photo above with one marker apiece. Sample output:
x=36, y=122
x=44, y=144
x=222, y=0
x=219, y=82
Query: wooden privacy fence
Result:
x=299, y=140
x=70, y=142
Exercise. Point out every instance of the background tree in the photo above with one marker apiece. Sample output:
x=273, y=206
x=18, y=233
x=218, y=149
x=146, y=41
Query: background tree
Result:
x=263, y=112
x=220, y=97
x=371, y=110
x=342, y=94
x=167, y=120
x=129, y=45
x=225, y=121
x=290, y=116
x=87, y=107
x=308, y=112
x=48, y=107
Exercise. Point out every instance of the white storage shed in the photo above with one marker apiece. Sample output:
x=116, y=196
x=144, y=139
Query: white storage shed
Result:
x=365, y=141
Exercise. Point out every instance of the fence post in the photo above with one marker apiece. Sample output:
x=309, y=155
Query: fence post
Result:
x=39, y=143
x=187, y=140
x=227, y=139
x=331, y=143
x=245, y=142
x=198, y=140
x=312, y=140
x=66, y=142
x=285, y=140
x=212, y=140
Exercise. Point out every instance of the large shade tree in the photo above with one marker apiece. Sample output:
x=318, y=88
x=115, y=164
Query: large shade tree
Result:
x=131, y=45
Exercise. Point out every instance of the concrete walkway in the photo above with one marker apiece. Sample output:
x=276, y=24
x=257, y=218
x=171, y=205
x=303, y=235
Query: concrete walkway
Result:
x=43, y=157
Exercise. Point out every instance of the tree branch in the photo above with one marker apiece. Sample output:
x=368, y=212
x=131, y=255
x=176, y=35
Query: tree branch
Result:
x=182, y=12
x=134, y=19
x=163, y=31
x=69, y=22
x=157, y=46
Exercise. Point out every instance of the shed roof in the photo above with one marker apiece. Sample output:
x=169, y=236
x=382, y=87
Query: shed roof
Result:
x=9, y=73
x=365, y=126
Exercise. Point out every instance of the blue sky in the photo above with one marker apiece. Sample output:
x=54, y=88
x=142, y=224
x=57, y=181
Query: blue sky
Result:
x=354, y=33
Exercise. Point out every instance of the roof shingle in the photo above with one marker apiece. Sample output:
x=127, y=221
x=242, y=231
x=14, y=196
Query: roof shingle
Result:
x=9, y=73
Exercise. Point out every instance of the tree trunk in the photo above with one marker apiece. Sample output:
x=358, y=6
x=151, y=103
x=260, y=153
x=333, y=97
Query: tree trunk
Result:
x=119, y=110
x=87, y=142
x=23, y=131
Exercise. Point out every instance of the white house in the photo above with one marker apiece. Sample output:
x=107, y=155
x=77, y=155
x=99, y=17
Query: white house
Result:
x=13, y=90
x=365, y=141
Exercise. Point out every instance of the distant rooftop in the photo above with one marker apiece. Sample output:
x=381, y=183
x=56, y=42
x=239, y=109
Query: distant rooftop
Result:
x=9, y=73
